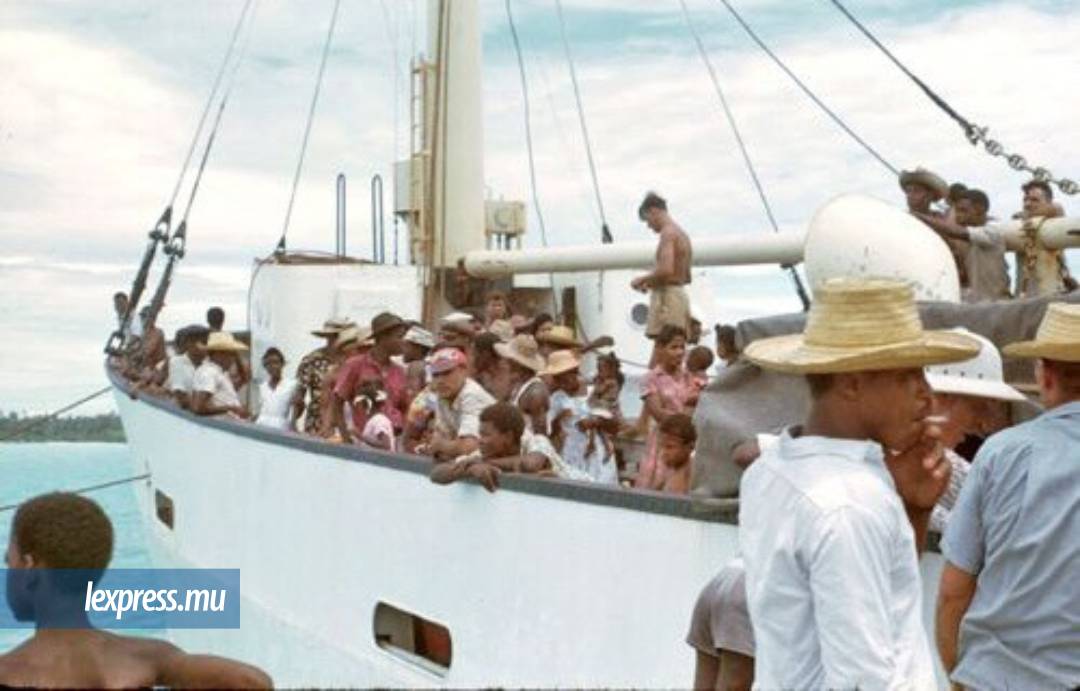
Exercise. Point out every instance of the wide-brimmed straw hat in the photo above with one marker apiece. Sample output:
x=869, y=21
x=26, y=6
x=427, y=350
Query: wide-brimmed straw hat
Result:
x=355, y=336
x=561, y=361
x=560, y=335
x=858, y=325
x=332, y=327
x=503, y=330
x=929, y=180
x=982, y=376
x=223, y=341
x=522, y=350
x=1058, y=337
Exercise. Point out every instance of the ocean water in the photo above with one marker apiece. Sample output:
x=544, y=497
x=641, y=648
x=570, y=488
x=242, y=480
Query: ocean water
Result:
x=27, y=470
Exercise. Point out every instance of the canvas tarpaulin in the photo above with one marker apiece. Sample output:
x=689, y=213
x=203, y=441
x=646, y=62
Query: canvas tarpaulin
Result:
x=745, y=400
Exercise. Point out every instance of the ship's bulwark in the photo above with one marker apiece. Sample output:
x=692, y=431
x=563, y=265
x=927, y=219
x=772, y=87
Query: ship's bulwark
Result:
x=544, y=583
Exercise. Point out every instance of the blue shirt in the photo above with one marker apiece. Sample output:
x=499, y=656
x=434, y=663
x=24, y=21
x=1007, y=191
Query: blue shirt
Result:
x=1016, y=527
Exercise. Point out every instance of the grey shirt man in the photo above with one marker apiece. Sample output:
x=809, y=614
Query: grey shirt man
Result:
x=984, y=261
x=1016, y=527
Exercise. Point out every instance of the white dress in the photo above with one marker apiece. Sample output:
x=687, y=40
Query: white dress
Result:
x=275, y=404
x=599, y=465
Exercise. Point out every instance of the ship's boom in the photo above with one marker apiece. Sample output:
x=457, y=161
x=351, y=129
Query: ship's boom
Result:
x=780, y=248
x=730, y=250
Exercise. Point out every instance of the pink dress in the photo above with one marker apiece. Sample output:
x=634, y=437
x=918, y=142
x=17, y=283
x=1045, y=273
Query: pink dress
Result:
x=674, y=391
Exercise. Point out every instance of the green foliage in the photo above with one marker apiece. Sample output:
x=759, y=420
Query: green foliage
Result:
x=34, y=428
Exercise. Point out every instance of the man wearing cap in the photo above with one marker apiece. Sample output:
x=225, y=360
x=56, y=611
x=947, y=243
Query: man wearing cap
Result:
x=833, y=514
x=213, y=392
x=310, y=374
x=922, y=188
x=457, y=407
x=964, y=396
x=1008, y=611
x=373, y=366
x=668, y=301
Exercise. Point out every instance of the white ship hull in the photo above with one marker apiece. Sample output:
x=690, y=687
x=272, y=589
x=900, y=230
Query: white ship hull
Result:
x=545, y=583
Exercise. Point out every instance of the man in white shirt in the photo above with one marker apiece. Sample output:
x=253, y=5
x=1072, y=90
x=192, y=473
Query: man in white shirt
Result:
x=180, y=380
x=213, y=392
x=832, y=515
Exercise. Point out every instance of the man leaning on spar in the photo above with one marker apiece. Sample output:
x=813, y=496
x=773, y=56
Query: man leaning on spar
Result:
x=833, y=515
x=668, y=300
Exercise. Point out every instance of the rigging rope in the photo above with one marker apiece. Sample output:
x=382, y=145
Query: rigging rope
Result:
x=742, y=145
x=85, y=490
x=529, y=141
x=605, y=231
x=975, y=134
x=806, y=90
x=37, y=422
x=173, y=243
x=210, y=101
x=307, y=126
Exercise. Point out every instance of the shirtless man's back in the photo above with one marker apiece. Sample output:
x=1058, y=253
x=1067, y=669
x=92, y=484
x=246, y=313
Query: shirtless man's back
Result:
x=56, y=534
x=88, y=658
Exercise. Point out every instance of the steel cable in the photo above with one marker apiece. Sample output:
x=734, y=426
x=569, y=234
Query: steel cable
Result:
x=85, y=490
x=806, y=90
x=975, y=135
x=606, y=236
x=742, y=144
x=307, y=125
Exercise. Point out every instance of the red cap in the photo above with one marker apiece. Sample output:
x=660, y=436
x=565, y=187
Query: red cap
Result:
x=447, y=359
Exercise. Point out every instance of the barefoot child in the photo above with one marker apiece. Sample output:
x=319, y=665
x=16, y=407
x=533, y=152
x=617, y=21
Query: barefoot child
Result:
x=677, y=440
x=698, y=362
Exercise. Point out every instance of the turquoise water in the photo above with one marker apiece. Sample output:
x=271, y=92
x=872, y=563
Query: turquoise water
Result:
x=27, y=470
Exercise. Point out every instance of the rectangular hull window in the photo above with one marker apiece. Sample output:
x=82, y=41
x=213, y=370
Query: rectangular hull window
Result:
x=163, y=507
x=412, y=638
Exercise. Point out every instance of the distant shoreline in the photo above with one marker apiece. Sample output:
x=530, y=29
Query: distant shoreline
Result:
x=37, y=428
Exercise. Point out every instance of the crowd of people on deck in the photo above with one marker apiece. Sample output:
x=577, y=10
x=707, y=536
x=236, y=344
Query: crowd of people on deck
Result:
x=909, y=431
x=395, y=386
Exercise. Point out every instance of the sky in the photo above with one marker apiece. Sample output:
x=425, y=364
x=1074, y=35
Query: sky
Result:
x=99, y=101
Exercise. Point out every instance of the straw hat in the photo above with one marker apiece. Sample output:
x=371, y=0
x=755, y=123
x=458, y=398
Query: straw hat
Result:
x=860, y=325
x=561, y=361
x=332, y=327
x=1058, y=337
x=929, y=180
x=355, y=336
x=560, y=336
x=981, y=376
x=503, y=329
x=522, y=350
x=223, y=341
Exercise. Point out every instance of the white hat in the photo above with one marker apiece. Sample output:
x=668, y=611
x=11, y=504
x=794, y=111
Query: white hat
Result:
x=982, y=376
x=420, y=336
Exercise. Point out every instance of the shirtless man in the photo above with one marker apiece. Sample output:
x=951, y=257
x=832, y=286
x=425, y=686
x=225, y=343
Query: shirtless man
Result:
x=66, y=531
x=668, y=301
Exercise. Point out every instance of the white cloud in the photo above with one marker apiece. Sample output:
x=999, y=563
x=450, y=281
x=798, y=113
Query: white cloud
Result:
x=96, y=108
